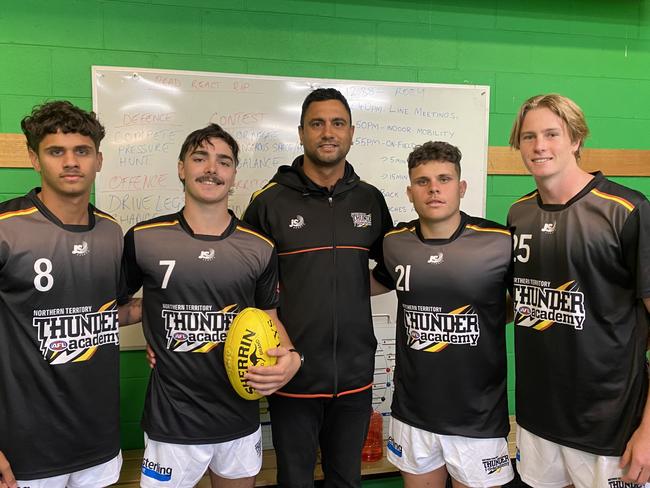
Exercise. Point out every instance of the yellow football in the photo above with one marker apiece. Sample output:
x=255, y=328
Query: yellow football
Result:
x=251, y=334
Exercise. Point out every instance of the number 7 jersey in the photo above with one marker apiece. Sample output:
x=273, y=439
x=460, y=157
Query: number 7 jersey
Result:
x=59, y=342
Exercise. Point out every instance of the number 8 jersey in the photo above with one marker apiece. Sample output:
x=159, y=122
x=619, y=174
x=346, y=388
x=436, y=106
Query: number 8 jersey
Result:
x=59, y=342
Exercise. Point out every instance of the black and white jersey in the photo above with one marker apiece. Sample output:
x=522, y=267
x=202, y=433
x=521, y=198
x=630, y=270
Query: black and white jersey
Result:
x=193, y=286
x=581, y=270
x=450, y=374
x=59, y=342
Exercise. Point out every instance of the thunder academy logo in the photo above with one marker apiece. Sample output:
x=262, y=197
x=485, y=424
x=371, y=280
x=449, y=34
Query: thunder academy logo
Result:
x=73, y=334
x=428, y=329
x=196, y=328
x=619, y=483
x=539, y=306
x=494, y=464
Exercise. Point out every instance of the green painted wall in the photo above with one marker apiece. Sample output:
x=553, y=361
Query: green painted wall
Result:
x=595, y=51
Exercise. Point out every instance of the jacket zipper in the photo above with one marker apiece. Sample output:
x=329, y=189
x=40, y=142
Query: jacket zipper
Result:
x=330, y=199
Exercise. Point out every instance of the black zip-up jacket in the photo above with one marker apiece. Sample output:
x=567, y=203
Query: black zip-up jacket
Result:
x=324, y=240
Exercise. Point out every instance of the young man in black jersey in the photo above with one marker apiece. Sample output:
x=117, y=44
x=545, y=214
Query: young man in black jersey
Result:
x=451, y=272
x=59, y=343
x=198, y=268
x=581, y=294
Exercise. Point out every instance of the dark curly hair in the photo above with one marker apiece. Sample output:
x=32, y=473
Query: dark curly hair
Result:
x=63, y=116
x=434, y=151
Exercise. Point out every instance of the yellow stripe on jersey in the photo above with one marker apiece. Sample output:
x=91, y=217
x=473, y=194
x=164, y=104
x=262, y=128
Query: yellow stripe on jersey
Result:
x=252, y=232
x=397, y=231
x=545, y=324
x=613, y=198
x=437, y=348
x=157, y=224
x=87, y=355
x=459, y=310
x=487, y=229
x=105, y=216
x=106, y=306
x=523, y=199
x=17, y=213
x=207, y=348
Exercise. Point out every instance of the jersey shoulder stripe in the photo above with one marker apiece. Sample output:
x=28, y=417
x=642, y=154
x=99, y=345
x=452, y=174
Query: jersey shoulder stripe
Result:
x=530, y=195
x=399, y=231
x=17, y=213
x=614, y=198
x=256, y=234
x=488, y=229
x=156, y=224
x=103, y=215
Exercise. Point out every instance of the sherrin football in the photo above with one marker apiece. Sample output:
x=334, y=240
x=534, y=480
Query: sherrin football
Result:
x=251, y=334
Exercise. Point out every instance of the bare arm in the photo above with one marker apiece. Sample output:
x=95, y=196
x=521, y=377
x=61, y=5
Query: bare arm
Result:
x=130, y=312
x=269, y=379
x=377, y=288
x=637, y=452
x=7, y=479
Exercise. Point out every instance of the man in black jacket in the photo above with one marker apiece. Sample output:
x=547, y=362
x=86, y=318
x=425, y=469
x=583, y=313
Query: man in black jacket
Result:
x=326, y=224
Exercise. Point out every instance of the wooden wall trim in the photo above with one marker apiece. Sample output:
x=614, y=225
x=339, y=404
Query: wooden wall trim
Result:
x=501, y=160
x=612, y=162
x=13, y=151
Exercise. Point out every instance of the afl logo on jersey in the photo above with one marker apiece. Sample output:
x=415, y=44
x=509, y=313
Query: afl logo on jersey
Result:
x=80, y=249
x=58, y=345
x=524, y=311
x=180, y=336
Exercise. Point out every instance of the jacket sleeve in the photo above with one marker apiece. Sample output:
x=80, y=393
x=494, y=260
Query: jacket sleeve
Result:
x=386, y=222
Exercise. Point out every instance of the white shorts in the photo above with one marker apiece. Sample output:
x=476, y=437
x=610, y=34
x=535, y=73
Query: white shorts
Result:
x=183, y=465
x=549, y=465
x=94, y=477
x=474, y=462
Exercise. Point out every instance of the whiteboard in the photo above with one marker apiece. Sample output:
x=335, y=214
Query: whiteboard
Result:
x=149, y=112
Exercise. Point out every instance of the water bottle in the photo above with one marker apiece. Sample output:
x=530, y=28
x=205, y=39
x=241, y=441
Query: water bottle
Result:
x=373, y=447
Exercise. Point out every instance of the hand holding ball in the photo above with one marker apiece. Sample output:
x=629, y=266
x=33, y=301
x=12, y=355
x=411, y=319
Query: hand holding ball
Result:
x=251, y=334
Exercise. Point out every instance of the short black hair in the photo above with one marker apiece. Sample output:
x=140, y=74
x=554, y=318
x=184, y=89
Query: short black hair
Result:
x=434, y=151
x=199, y=136
x=322, y=95
x=63, y=116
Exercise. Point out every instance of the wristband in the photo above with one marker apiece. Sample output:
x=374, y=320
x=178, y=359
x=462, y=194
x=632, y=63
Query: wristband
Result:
x=301, y=355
